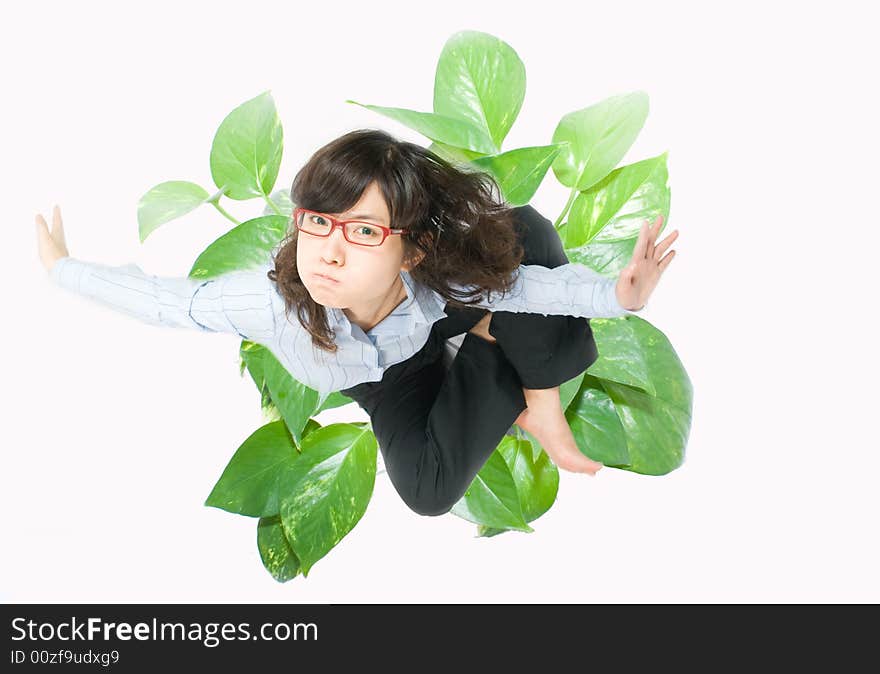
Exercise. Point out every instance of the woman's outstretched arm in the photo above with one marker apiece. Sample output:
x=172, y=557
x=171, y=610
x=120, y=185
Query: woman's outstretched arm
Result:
x=571, y=289
x=239, y=302
x=574, y=289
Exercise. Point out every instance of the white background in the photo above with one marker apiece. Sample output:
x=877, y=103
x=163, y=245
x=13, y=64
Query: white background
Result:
x=116, y=431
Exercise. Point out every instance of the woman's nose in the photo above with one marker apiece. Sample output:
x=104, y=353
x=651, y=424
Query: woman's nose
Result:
x=334, y=244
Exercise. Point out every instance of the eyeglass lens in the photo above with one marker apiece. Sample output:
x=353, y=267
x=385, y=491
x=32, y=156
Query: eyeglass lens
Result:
x=362, y=233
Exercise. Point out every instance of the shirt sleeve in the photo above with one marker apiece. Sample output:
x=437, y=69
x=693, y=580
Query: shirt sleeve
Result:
x=237, y=302
x=570, y=289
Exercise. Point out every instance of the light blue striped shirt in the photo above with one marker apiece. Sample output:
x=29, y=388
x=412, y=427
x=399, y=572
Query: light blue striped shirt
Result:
x=247, y=303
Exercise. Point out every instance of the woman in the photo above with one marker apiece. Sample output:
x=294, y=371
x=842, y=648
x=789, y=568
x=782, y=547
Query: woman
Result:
x=391, y=253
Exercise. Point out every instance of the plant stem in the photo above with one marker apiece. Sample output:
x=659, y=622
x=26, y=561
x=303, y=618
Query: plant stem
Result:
x=223, y=211
x=571, y=198
x=272, y=204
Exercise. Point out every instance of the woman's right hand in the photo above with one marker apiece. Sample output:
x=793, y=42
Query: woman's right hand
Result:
x=51, y=245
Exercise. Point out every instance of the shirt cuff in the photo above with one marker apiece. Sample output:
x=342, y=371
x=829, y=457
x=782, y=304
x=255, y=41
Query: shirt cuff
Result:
x=616, y=308
x=59, y=274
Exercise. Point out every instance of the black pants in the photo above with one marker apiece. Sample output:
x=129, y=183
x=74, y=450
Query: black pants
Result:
x=435, y=428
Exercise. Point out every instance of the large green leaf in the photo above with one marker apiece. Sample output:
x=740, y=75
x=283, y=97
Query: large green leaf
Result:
x=627, y=346
x=535, y=477
x=634, y=412
x=595, y=426
x=168, y=201
x=295, y=401
x=519, y=172
x=598, y=137
x=448, y=130
x=480, y=79
x=275, y=551
x=326, y=492
x=246, y=151
x=249, y=484
x=656, y=427
x=491, y=499
x=246, y=246
x=614, y=209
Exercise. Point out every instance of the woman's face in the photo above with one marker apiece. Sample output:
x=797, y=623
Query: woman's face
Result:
x=363, y=274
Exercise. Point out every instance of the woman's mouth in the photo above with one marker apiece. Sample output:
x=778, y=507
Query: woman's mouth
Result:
x=328, y=279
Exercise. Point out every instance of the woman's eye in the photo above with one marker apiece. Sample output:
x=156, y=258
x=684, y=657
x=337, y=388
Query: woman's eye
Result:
x=367, y=231
x=318, y=220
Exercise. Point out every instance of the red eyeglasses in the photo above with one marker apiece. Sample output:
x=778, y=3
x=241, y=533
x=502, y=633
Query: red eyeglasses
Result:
x=359, y=232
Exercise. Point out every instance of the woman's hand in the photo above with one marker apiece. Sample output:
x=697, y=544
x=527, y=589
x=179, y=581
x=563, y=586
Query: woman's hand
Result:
x=52, y=246
x=639, y=278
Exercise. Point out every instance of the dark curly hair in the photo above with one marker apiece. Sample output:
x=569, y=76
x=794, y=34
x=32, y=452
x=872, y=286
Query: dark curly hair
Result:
x=478, y=245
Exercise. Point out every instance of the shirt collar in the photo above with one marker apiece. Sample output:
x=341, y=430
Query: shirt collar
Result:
x=421, y=307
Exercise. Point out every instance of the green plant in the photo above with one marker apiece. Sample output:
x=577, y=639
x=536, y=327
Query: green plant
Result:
x=309, y=485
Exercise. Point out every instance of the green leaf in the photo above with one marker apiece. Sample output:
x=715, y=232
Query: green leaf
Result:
x=656, y=428
x=275, y=551
x=598, y=137
x=246, y=151
x=246, y=246
x=568, y=390
x=296, y=401
x=657, y=419
x=249, y=483
x=167, y=201
x=612, y=211
x=640, y=379
x=519, y=172
x=449, y=130
x=481, y=80
x=312, y=425
x=326, y=492
x=627, y=345
x=486, y=532
x=251, y=355
x=536, y=480
x=595, y=426
x=491, y=498
x=457, y=156
x=605, y=258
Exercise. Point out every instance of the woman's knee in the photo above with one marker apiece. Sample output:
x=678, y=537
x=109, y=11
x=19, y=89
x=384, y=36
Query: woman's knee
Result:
x=431, y=502
x=539, y=238
x=431, y=507
x=426, y=485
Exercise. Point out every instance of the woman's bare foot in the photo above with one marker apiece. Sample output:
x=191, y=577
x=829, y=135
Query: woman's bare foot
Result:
x=545, y=419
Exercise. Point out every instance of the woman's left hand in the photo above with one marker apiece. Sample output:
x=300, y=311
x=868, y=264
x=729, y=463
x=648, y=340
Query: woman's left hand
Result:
x=639, y=278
